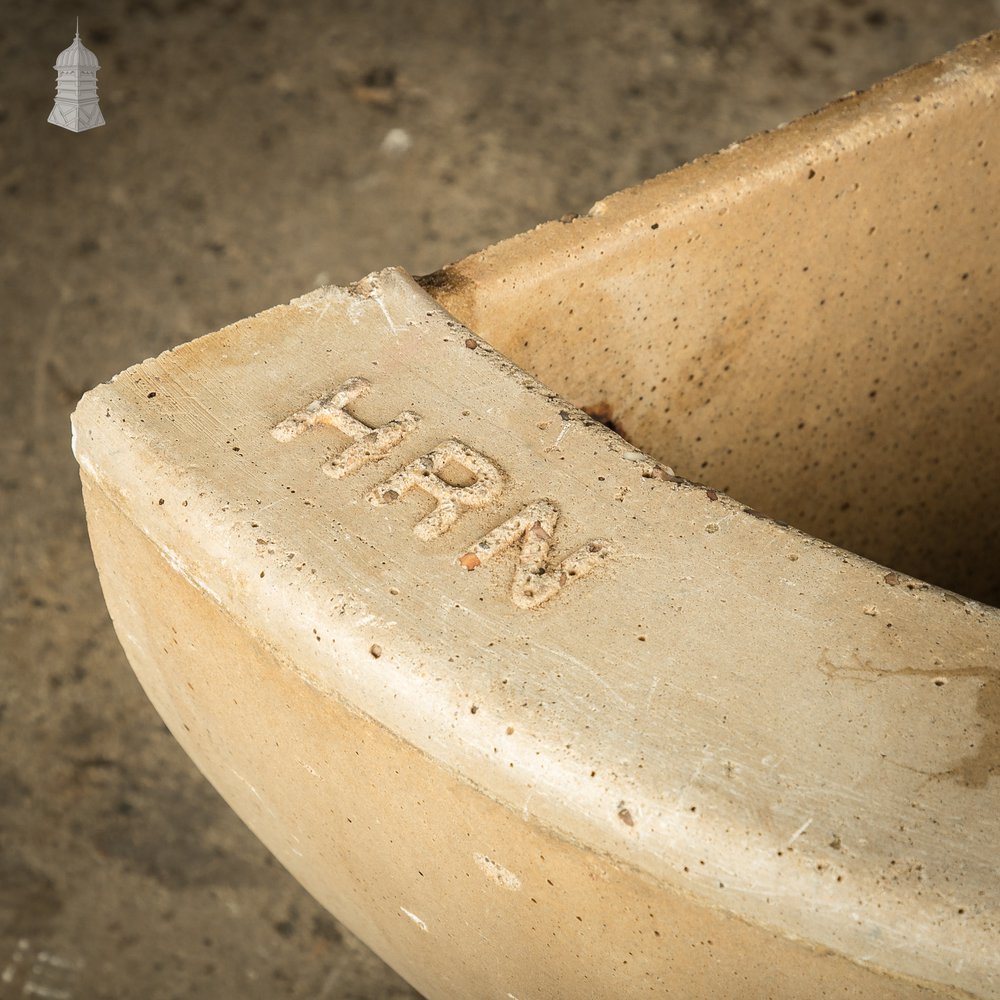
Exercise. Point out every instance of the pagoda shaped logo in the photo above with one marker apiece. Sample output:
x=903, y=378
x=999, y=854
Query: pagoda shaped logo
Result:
x=76, y=106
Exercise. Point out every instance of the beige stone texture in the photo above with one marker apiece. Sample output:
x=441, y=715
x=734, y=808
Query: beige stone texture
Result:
x=533, y=715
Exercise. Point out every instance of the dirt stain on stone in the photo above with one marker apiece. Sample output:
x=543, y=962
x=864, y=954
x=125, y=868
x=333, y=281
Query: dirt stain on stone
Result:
x=444, y=282
x=975, y=769
x=603, y=413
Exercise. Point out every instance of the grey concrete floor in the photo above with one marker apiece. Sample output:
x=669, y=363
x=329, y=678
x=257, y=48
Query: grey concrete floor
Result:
x=245, y=161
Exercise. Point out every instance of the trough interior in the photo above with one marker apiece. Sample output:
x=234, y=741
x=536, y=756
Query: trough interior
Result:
x=806, y=322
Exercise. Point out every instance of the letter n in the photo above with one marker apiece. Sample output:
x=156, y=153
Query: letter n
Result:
x=535, y=581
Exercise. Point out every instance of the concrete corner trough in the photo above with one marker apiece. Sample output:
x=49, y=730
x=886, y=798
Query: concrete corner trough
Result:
x=542, y=707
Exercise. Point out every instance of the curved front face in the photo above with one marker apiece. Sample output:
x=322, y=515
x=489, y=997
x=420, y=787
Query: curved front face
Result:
x=463, y=896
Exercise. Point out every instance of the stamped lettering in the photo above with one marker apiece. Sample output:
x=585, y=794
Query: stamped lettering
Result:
x=458, y=478
x=535, y=581
x=425, y=474
x=370, y=443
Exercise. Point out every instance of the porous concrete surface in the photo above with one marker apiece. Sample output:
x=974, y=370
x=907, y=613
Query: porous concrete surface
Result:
x=249, y=155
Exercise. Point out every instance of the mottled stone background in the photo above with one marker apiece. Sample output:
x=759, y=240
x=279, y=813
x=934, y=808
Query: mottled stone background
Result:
x=254, y=150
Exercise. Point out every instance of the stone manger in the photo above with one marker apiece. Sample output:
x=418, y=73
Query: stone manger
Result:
x=529, y=708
